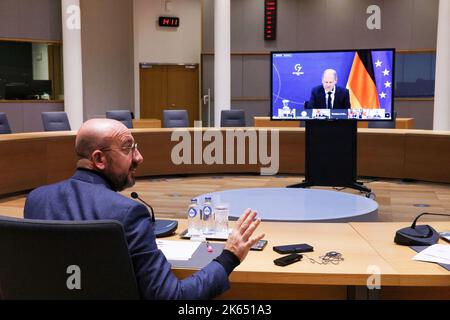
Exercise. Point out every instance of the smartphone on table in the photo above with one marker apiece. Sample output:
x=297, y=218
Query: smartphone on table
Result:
x=259, y=246
x=293, y=248
x=287, y=260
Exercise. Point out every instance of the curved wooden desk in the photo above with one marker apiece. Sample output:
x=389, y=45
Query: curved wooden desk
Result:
x=28, y=160
x=367, y=248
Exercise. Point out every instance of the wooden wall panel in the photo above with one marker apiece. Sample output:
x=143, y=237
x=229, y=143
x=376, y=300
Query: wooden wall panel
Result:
x=28, y=160
x=381, y=155
x=22, y=165
x=427, y=157
x=60, y=165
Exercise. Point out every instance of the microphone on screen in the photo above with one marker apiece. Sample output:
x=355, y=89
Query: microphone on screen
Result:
x=161, y=227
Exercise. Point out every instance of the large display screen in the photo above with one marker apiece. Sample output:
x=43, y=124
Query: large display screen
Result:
x=338, y=84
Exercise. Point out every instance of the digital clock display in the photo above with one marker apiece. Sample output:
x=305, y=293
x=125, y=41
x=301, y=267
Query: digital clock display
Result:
x=270, y=19
x=169, y=22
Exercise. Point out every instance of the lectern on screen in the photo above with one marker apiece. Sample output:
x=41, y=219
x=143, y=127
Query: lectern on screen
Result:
x=366, y=76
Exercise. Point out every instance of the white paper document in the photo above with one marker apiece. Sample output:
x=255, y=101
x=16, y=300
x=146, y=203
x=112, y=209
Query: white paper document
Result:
x=177, y=250
x=439, y=253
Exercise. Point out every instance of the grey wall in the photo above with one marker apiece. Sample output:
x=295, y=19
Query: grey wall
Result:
x=313, y=25
x=26, y=116
x=327, y=24
x=107, y=48
x=30, y=19
x=421, y=111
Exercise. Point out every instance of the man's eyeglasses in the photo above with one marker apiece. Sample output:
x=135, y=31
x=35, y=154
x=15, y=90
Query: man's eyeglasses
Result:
x=131, y=149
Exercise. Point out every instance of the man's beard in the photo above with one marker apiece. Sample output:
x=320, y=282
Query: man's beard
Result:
x=122, y=181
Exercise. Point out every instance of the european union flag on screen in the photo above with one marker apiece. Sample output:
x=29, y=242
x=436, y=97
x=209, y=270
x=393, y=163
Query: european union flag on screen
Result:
x=383, y=69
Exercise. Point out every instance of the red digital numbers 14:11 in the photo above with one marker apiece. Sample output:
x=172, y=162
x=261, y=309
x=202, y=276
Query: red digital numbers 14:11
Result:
x=270, y=19
x=169, y=22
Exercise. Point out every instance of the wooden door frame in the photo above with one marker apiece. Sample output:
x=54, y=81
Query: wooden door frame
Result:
x=143, y=65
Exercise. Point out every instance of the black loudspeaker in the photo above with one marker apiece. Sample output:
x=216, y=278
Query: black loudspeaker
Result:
x=164, y=228
x=422, y=235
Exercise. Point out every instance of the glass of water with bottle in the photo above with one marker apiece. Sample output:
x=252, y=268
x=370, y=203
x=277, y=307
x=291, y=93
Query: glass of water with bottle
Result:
x=208, y=217
x=194, y=219
x=221, y=212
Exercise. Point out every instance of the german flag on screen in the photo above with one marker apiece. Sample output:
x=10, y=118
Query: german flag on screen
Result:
x=361, y=82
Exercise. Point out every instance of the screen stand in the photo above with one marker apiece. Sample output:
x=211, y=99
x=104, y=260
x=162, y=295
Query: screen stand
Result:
x=330, y=155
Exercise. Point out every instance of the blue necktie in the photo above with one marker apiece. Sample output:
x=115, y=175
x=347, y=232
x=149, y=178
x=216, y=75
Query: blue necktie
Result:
x=329, y=100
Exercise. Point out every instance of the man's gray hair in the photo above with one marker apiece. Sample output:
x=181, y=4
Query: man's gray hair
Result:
x=332, y=71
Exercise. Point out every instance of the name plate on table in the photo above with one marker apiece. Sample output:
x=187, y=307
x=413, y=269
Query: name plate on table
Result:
x=213, y=236
x=201, y=257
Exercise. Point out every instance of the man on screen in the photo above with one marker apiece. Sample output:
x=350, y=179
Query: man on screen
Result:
x=329, y=95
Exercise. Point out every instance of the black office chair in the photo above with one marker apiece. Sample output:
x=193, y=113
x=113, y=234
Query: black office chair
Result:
x=55, y=121
x=175, y=119
x=232, y=118
x=384, y=124
x=4, y=124
x=123, y=116
x=42, y=259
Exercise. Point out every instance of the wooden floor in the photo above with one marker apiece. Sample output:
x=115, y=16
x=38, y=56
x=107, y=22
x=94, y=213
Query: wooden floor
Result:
x=170, y=196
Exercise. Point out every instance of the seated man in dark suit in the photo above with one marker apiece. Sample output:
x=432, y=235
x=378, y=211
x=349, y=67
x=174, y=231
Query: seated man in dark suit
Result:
x=108, y=159
x=329, y=95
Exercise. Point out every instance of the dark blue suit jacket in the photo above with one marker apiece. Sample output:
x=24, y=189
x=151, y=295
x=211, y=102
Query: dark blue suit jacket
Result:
x=317, y=99
x=88, y=196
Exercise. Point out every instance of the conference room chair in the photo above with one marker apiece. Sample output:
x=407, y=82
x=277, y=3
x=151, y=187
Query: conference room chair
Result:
x=175, y=119
x=123, y=116
x=384, y=124
x=232, y=118
x=55, y=121
x=4, y=124
x=65, y=260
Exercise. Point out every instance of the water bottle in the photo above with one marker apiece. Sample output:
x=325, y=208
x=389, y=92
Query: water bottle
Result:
x=221, y=213
x=194, y=220
x=208, y=217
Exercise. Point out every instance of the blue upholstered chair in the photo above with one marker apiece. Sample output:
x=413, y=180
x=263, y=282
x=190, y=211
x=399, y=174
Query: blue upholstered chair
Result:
x=42, y=259
x=232, y=118
x=55, y=121
x=175, y=119
x=4, y=124
x=384, y=124
x=123, y=116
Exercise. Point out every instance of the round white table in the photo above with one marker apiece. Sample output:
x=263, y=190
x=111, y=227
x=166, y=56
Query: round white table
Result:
x=297, y=205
